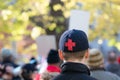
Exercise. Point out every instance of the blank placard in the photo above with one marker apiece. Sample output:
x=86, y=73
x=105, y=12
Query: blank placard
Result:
x=45, y=43
x=79, y=20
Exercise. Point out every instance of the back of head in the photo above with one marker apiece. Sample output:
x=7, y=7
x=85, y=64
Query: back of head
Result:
x=6, y=54
x=27, y=71
x=53, y=57
x=95, y=59
x=73, y=44
x=33, y=61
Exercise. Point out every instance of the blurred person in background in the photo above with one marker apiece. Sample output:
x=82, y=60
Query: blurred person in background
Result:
x=31, y=65
x=113, y=66
x=53, y=62
x=9, y=58
x=96, y=65
x=7, y=72
x=33, y=61
x=28, y=71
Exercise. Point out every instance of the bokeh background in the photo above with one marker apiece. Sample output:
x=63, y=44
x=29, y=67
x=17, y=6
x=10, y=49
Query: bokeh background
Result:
x=22, y=21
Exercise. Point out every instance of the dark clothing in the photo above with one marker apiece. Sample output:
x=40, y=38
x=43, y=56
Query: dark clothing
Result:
x=10, y=63
x=101, y=74
x=13, y=65
x=114, y=68
x=74, y=71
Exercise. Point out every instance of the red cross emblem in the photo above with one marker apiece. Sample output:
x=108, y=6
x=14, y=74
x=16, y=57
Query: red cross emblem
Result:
x=70, y=44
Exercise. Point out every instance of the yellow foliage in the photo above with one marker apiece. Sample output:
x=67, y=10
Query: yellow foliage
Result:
x=52, y=26
x=57, y=7
x=14, y=18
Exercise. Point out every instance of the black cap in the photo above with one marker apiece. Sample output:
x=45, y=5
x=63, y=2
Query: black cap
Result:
x=73, y=41
x=53, y=57
x=29, y=68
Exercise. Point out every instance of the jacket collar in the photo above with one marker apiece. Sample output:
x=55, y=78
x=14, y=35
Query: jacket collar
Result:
x=75, y=67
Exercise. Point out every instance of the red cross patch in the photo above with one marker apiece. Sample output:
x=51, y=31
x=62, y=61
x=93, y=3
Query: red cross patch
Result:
x=70, y=44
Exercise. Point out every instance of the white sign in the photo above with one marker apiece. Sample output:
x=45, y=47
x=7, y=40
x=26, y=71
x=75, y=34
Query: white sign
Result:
x=79, y=20
x=45, y=43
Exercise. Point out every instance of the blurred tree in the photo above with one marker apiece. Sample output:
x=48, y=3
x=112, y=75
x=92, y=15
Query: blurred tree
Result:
x=19, y=17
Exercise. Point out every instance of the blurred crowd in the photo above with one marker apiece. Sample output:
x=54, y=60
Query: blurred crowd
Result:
x=9, y=70
x=33, y=70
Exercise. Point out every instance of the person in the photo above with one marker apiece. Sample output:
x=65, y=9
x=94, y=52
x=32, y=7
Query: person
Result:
x=53, y=61
x=113, y=66
x=33, y=61
x=96, y=65
x=73, y=50
x=28, y=71
x=7, y=72
x=9, y=58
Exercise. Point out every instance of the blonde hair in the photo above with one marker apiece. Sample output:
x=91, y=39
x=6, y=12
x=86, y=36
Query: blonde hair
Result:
x=48, y=75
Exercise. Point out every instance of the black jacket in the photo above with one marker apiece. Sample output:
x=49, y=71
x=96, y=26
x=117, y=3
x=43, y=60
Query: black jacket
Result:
x=74, y=71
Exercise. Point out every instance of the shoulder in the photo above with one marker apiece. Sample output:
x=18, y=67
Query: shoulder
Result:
x=73, y=77
x=113, y=76
x=116, y=77
x=89, y=77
